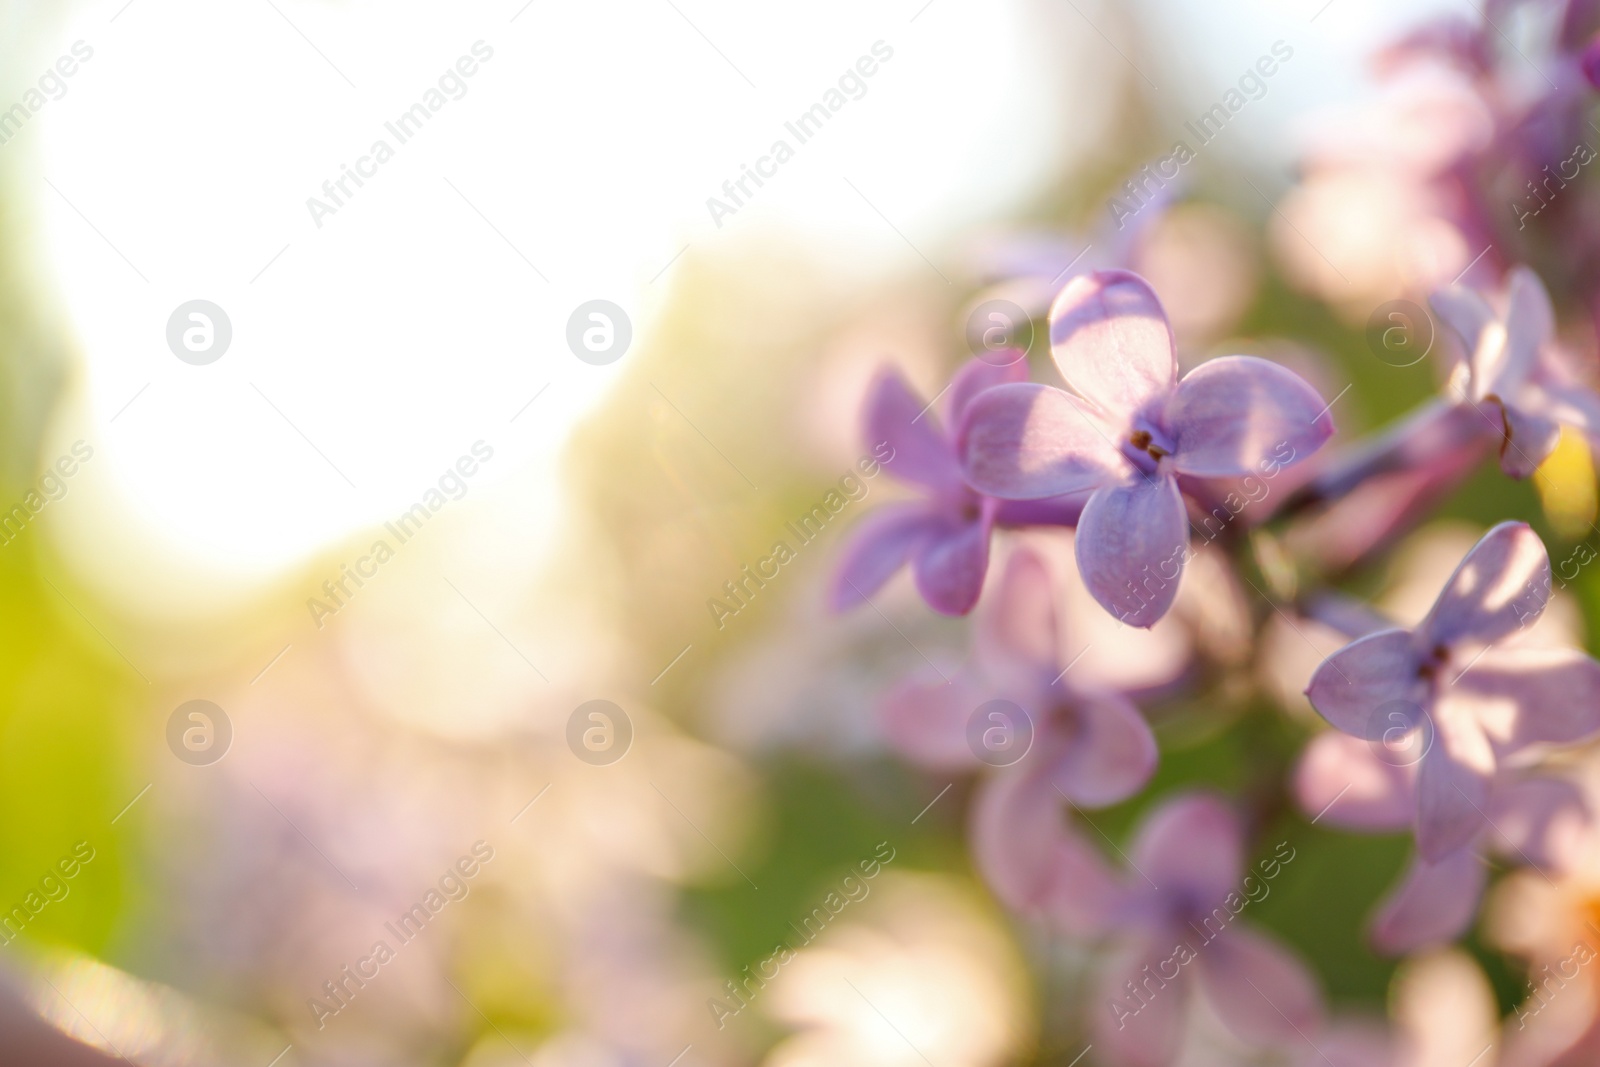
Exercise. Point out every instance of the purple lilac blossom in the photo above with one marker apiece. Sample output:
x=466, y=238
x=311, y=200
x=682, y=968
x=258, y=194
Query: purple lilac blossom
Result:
x=1475, y=704
x=1128, y=432
x=1511, y=376
x=945, y=535
x=1089, y=744
x=1529, y=818
x=1176, y=931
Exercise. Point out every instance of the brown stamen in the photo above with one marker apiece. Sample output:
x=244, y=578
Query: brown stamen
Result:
x=1142, y=440
x=1429, y=668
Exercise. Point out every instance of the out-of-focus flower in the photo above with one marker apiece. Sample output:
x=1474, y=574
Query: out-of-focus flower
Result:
x=1469, y=161
x=1132, y=428
x=1526, y=818
x=1176, y=931
x=1493, y=706
x=1549, y=919
x=922, y=976
x=1090, y=743
x=1377, y=212
x=1087, y=744
x=1202, y=257
x=1443, y=1014
x=1030, y=268
x=945, y=536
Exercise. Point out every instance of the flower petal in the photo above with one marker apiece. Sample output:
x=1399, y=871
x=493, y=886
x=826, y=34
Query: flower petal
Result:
x=1341, y=780
x=1530, y=323
x=950, y=563
x=1541, y=820
x=926, y=720
x=1132, y=543
x=1112, y=342
x=879, y=545
x=1453, y=786
x=1018, y=630
x=980, y=374
x=896, y=416
x=1259, y=989
x=1110, y=754
x=1234, y=414
x=1528, y=440
x=1432, y=905
x=1501, y=585
x=1525, y=696
x=1465, y=312
x=1557, y=390
x=1144, y=1030
x=1026, y=441
x=1192, y=847
x=1036, y=863
x=1357, y=687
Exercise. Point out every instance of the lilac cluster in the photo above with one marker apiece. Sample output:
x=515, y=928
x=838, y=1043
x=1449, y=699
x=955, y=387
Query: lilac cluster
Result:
x=1452, y=728
x=1468, y=723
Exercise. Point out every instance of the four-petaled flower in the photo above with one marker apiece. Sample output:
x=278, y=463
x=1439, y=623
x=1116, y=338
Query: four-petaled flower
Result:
x=1476, y=705
x=1065, y=740
x=1511, y=376
x=1530, y=818
x=1128, y=434
x=1176, y=930
x=944, y=536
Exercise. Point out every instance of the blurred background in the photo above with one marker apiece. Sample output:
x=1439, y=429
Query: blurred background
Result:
x=391, y=362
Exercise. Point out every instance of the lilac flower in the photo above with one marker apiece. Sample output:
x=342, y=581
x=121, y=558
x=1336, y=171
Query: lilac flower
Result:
x=1176, y=930
x=1131, y=429
x=944, y=536
x=1510, y=376
x=1089, y=745
x=1477, y=705
x=1513, y=393
x=1528, y=818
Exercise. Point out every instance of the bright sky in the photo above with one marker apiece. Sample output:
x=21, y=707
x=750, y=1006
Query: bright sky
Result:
x=430, y=309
